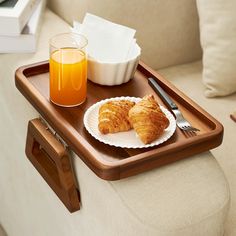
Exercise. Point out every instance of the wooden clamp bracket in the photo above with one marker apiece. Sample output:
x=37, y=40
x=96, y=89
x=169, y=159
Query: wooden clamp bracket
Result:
x=51, y=158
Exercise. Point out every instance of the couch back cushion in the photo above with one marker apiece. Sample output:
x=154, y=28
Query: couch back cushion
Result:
x=167, y=31
x=218, y=38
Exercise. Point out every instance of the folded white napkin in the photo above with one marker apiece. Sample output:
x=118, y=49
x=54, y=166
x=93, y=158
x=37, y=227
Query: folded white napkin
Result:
x=107, y=41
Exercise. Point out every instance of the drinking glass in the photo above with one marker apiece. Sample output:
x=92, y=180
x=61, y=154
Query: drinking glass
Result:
x=68, y=69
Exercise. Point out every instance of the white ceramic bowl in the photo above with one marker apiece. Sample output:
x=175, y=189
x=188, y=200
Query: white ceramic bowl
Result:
x=113, y=73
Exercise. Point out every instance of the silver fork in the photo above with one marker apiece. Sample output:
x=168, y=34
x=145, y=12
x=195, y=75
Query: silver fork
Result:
x=181, y=122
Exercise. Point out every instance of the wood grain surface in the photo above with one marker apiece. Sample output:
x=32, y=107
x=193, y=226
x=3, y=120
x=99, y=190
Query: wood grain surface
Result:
x=52, y=161
x=112, y=163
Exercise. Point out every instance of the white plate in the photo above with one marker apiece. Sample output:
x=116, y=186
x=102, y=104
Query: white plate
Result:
x=128, y=139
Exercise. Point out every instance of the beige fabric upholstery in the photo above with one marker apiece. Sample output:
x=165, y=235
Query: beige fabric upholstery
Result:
x=165, y=201
x=2, y=232
x=218, y=35
x=189, y=197
x=188, y=79
x=167, y=31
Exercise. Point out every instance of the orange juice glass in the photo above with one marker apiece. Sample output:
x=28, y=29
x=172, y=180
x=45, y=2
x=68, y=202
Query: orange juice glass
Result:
x=68, y=69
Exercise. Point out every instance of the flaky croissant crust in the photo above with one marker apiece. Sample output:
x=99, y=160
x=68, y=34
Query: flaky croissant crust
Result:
x=148, y=120
x=113, y=116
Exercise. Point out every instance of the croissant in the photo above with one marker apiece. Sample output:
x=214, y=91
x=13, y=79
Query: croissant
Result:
x=113, y=116
x=148, y=120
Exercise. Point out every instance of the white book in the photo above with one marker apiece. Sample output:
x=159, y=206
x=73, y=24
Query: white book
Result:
x=27, y=41
x=14, y=14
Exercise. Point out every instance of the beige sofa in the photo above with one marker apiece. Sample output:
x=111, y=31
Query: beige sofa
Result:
x=188, y=198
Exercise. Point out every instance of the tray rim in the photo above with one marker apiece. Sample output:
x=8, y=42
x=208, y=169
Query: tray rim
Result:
x=105, y=169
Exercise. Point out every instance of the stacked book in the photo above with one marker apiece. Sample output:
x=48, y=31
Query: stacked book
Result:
x=19, y=25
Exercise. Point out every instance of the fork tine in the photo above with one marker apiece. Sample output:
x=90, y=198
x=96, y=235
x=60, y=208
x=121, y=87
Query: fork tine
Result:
x=182, y=123
x=190, y=128
x=187, y=128
x=193, y=129
x=189, y=134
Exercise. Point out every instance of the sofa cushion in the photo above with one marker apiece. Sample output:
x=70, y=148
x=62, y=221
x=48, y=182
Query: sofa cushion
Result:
x=162, y=32
x=172, y=191
x=188, y=79
x=218, y=37
x=189, y=197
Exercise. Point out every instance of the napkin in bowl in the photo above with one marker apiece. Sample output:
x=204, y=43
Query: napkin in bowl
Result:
x=107, y=41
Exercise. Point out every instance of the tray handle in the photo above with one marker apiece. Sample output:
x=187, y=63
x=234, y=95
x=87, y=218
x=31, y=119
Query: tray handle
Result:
x=52, y=161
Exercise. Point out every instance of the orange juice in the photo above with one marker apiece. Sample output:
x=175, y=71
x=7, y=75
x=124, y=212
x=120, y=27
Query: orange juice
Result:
x=68, y=77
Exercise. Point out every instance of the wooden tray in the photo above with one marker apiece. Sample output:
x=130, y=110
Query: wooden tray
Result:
x=112, y=163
